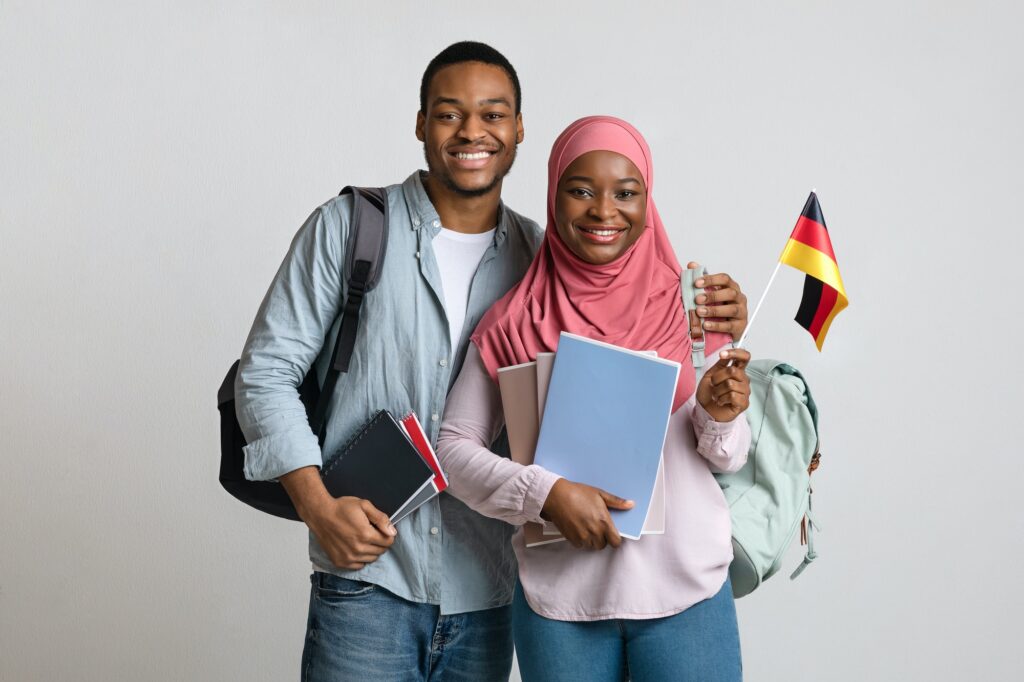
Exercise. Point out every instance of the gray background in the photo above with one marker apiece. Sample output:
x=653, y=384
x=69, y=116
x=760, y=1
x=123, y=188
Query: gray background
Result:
x=157, y=158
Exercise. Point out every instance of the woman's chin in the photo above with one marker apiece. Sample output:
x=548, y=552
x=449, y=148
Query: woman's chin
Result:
x=599, y=255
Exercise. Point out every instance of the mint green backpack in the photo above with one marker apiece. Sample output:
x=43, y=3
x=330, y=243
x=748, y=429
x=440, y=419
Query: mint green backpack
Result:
x=770, y=497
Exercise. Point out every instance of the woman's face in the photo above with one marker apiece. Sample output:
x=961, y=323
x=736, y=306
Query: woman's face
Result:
x=600, y=206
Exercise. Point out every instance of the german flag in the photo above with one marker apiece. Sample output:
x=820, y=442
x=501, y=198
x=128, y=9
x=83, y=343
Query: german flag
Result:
x=810, y=250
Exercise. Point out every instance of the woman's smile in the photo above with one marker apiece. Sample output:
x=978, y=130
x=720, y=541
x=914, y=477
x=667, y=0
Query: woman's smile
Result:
x=602, y=234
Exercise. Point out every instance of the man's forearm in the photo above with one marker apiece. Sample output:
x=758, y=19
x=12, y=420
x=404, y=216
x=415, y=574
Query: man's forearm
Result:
x=307, y=491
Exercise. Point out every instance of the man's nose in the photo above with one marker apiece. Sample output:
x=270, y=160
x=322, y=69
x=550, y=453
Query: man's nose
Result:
x=471, y=128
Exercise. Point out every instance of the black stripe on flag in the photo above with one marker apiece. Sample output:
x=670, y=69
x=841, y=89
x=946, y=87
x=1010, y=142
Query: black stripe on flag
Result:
x=812, y=210
x=809, y=302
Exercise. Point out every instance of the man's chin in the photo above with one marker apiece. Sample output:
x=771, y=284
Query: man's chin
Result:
x=470, y=191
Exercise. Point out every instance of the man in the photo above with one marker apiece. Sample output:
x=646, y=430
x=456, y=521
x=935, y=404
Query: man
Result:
x=428, y=601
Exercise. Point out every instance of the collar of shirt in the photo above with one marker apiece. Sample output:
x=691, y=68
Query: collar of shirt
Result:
x=424, y=215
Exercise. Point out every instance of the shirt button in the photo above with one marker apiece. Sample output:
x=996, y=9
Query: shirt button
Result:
x=434, y=531
x=444, y=362
x=415, y=221
x=437, y=223
x=434, y=417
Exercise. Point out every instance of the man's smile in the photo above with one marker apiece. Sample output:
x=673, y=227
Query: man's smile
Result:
x=471, y=159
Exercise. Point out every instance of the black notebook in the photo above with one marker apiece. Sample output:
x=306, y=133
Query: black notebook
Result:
x=379, y=464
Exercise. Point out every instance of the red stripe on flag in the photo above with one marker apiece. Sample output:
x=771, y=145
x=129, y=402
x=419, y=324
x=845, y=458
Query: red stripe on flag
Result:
x=825, y=306
x=814, y=235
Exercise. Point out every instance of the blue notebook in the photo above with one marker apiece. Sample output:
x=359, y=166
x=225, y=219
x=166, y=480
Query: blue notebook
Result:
x=605, y=421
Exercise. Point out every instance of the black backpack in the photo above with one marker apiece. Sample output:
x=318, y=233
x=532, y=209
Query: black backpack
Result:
x=364, y=258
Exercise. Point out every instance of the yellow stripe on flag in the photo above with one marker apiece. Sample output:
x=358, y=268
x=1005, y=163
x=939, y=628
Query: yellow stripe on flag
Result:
x=816, y=264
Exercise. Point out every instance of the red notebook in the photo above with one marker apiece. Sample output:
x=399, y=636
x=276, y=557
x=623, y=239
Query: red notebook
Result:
x=415, y=431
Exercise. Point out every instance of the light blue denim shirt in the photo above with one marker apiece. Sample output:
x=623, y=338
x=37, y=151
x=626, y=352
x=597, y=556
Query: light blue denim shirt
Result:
x=444, y=554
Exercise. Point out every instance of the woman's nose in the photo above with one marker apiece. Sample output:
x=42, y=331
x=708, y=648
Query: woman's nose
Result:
x=603, y=208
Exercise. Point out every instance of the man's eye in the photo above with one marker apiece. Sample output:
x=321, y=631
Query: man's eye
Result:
x=495, y=117
x=447, y=116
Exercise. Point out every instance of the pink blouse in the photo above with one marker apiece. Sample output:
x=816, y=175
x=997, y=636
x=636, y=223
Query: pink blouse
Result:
x=655, y=576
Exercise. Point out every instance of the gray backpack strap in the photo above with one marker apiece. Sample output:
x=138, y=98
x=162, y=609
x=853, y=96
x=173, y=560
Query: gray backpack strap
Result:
x=368, y=235
x=689, y=294
x=364, y=259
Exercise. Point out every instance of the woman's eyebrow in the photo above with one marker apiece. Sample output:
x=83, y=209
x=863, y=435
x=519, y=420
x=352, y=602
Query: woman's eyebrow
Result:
x=584, y=178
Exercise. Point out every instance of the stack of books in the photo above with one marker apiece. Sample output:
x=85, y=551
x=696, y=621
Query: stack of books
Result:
x=596, y=414
x=390, y=463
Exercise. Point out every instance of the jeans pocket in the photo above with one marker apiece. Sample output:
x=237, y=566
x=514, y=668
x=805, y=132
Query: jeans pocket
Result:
x=329, y=587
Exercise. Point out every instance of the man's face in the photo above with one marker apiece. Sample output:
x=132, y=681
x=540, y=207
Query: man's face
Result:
x=470, y=129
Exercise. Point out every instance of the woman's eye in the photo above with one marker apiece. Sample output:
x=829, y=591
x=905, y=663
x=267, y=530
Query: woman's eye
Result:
x=627, y=194
x=579, y=192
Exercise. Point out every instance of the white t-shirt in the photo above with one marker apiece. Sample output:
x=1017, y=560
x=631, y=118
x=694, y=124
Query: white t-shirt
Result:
x=458, y=254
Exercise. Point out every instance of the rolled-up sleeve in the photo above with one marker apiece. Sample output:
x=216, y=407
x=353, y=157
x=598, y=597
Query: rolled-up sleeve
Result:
x=723, y=444
x=492, y=485
x=286, y=337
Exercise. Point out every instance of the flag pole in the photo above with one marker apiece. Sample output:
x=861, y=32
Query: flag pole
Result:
x=743, y=337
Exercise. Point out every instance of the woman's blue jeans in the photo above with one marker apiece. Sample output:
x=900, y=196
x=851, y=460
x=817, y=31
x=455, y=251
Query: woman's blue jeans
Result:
x=701, y=644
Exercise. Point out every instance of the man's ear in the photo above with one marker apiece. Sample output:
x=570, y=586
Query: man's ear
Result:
x=421, y=122
x=520, y=133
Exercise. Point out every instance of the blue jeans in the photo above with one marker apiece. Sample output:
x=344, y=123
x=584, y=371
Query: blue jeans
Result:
x=358, y=631
x=701, y=644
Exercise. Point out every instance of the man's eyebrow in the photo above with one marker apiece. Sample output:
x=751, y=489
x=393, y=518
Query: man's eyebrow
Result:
x=458, y=102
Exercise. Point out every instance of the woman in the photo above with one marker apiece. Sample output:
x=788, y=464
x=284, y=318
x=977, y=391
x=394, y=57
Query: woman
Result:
x=598, y=608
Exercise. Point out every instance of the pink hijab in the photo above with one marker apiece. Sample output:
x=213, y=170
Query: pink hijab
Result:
x=633, y=302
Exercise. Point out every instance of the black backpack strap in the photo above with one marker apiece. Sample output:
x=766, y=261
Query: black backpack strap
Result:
x=364, y=258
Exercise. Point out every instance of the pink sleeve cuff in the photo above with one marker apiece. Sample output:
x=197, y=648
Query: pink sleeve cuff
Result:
x=703, y=422
x=540, y=482
x=723, y=444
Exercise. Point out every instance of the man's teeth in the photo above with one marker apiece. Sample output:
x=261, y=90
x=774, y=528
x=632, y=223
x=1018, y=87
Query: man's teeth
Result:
x=474, y=156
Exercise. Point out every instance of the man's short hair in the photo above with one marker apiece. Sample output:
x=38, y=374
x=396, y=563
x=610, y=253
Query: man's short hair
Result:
x=468, y=51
